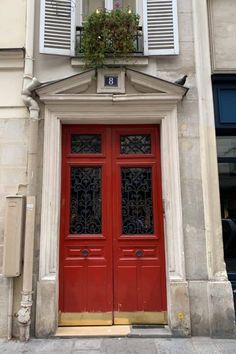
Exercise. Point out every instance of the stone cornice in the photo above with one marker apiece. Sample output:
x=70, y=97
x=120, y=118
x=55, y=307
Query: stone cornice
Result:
x=11, y=58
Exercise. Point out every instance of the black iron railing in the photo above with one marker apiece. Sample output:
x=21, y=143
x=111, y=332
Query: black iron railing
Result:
x=138, y=41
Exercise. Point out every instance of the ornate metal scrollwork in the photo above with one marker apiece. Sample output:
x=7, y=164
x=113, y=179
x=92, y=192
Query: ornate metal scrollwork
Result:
x=135, y=144
x=86, y=143
x=85, y=204
x=137, y=209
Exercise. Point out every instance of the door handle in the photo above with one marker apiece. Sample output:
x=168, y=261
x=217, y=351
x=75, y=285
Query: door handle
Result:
x=138, y=253
x=85, y=253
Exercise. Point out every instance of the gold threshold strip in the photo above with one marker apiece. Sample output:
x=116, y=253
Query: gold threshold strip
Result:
x=93, y=331
x=85, y=319
x=101, y=324
x=140, y=317
x=106, y=318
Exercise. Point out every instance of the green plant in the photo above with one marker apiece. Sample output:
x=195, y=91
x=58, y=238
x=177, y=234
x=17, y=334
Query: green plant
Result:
x=108, y=33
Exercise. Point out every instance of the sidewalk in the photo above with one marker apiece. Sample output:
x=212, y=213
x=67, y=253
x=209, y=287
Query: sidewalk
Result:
x=194, y=345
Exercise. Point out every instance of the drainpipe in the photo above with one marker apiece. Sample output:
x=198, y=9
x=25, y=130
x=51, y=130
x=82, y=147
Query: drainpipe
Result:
x=29, y=84
x=10, y=310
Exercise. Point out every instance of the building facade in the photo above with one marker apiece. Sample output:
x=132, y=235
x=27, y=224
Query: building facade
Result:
x=111, y=210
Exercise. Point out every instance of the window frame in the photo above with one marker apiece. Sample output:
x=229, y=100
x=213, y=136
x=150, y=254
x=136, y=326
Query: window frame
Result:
x=222, y=81
x=109, y=6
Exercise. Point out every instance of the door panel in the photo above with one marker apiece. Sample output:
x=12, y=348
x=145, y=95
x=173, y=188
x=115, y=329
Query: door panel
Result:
x=85, y=293
x=138, y=231
x=112, y=267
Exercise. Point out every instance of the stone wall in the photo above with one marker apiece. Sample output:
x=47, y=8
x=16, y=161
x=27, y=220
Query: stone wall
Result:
x=222, y=29
x=13, y=153
x=13, y=123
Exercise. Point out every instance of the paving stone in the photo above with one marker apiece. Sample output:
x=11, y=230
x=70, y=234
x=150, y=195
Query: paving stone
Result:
x=204, y=346
x=128, y=346
x=225, y=346
x=45, y=352
x=196, y=345
x=85, y=344
x=37, y=346
x=48, y=345
x=88, y=351
x=174, y=346
x=12, y=347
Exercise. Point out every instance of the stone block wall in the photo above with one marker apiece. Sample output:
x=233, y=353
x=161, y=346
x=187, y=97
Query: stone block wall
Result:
x=13, y=151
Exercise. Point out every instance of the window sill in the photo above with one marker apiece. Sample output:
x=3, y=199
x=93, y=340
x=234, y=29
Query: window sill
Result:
x=131, y=61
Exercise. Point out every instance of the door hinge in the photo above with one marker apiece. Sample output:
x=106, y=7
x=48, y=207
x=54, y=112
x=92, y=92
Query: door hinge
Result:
x=163, y=207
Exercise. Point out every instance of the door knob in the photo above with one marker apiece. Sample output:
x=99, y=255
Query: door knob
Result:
x=85, y=253
x=138, y=253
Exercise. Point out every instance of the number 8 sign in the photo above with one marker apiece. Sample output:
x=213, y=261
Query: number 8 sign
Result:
x=111, y=81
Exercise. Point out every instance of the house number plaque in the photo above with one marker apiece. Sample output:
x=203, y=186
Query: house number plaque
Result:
x=110, y=81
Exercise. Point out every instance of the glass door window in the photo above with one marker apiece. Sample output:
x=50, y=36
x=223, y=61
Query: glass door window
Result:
x=226, y=150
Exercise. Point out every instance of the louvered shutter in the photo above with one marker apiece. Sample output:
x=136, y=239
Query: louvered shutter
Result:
x=160, y=27
x=57, y=27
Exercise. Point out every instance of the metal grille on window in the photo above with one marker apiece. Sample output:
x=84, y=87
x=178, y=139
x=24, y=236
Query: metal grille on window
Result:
x=85, y=202
x=135, y=144
x=137, y=208
x=86, y=143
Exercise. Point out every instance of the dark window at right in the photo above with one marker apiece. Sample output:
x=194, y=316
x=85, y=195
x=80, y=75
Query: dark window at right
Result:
x=224, y=92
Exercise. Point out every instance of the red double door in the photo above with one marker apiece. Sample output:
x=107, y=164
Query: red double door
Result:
x=112, y=267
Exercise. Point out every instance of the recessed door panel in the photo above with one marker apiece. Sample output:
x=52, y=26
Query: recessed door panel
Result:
x=127, y=296
x=150, y=281
x=74, y=277
x=112, y=267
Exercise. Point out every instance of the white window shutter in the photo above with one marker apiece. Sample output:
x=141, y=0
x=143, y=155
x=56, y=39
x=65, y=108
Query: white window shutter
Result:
x=160, y=27
x=57, y=27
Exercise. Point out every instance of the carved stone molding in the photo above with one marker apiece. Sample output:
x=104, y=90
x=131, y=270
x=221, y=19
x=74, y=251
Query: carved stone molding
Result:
x=148, y=108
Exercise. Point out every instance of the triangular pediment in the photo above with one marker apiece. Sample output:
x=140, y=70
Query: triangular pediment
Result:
x=150, y=84
x=135, y=83
x=75, y=84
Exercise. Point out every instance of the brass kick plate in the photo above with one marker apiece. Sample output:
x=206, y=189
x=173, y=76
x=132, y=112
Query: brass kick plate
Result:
x=106, y=318
x=85, y=318
x=140, y=317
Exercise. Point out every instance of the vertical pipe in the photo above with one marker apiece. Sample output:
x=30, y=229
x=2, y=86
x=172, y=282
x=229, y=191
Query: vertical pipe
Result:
x=24, y=313
x=10, y=310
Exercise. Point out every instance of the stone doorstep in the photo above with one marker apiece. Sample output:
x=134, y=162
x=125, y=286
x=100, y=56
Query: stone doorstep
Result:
x=158, y=331
x=114, y=331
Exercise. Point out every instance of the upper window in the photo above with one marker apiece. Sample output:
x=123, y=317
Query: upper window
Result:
x=89, y=6
x=58, y=20
x=224, y=91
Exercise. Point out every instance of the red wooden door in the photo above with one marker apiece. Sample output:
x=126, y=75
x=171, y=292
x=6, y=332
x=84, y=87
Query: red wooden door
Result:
x=112, y=267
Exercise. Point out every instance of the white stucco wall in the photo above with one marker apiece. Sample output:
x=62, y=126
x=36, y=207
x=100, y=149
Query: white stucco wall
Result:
x=13, y=121
x=12, y=23
x=223, y=34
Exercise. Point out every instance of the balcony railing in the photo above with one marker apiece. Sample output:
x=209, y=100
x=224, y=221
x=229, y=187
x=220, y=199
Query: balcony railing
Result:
x=138, y=42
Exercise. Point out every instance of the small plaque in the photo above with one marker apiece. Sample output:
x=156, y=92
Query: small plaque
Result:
x=111, y=81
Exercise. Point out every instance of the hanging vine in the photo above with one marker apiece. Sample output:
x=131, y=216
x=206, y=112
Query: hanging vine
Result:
x=108, y=33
